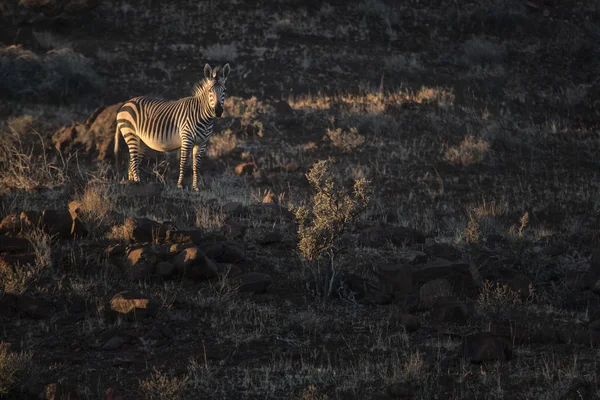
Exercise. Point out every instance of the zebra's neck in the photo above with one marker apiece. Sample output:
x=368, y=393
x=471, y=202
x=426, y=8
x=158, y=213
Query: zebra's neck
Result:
x=205, y=112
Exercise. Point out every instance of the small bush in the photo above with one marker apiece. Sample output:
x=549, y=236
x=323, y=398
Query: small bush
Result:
x=346, y=140
x=470, y=151
x=58, y=73
x=160, y=386
x=97, y=208
x=221, y=52
x=14, y=369
x=331, y=213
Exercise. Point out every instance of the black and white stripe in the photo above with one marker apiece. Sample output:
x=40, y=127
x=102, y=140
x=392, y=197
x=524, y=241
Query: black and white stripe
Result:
x=185, y=124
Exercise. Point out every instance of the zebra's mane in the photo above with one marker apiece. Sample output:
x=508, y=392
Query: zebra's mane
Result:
x=205, y=83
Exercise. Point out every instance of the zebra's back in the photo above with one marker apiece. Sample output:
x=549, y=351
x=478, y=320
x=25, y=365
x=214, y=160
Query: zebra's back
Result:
x=156, y=122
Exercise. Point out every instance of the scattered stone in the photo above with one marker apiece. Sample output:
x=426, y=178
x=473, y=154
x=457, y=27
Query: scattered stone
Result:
x=114, y=343
x=144, y=230
x=133, y=305
x=165, y=269
x=405, y=236
x=229, y=270
x=442, y=250
x=270, y=198
x=576, y=281
x=23, y=305
x=30, y=220
x=283, y=109
x=399, y=390
x=271, y=238
x=410, y=322
x=14, y=260
x=140, y=263
x=434, y=289
x=395, y=279
x=234, y=229
x=234, y=208
x=450, y=309
x=416, y=257
x=185, y=236
x=57, y=222
x=465, y=280
x=10, y=224
x=245, y=168
x=486, y=346
x=519, y=284
x=13, y=244
x=255, y=282
x=193, y=263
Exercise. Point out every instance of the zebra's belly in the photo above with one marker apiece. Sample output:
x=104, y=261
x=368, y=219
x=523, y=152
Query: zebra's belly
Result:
x=162, y=144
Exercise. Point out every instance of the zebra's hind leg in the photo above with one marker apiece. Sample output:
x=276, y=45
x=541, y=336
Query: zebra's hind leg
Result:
x=198, y=154
x=135, y=156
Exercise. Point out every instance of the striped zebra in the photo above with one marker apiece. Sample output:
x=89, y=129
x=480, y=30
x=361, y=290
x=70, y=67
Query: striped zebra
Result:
x=164, y=126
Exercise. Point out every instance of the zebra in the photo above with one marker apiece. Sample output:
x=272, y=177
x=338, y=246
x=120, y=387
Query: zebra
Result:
x=184, y=124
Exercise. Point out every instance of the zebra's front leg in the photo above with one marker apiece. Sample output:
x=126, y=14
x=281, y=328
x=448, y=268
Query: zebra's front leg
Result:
x=186, y=149
x=198, y=154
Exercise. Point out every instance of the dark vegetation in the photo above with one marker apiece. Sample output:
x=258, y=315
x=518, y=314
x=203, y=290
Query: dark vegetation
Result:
x=401, y=201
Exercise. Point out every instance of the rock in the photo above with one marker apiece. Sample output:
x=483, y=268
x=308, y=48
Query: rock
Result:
x=450, y=309
x=30, y=220
x=94, y=138
x=229, y=270
x=405, y=236
x=416, y=257
x=271, y=238
x=432, y=290
x=140, y=263
x=194, y=236
x=410, y=322
x=31, y=307
x=283, y=109
x=270, y=198
x=374, y=236
x=519, y=284
x=255, y=282
x=576, y=281
x=133, y=305
x=486, y=346
x=57, y=222
x=13, y=244
x=234, y=229
x=10, y=224
x=193, y=264
x=14, y=260
x=395, y=279
x=399, y=390
x=442, y=250
x=245, y=168
x=234, y=208
x=114, y=343
x=144, y=230
x=465, y=279
x=223, y=252
x=165, y=269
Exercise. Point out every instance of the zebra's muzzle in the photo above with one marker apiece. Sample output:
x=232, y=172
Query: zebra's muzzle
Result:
x=219, y=110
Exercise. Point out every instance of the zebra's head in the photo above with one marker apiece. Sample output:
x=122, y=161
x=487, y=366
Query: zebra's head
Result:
x=216, y=79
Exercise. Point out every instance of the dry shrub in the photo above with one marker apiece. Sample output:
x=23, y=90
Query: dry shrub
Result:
x=221, y=144
x=58, y=73
x=332, y=212
x=470, y=151
x=347, y=140
x=14, y=369
x=160, y=387
x=483, y=221
x=97, y=208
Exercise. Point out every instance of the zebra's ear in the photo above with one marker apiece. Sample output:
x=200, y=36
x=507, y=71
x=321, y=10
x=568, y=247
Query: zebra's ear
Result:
x=226, y=71
x=207, y=71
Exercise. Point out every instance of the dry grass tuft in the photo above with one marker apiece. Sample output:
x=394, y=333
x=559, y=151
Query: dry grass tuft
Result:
x=14, y=369
x=161, y=387
x=97, y=207
x=347, y=140
x=471, y=151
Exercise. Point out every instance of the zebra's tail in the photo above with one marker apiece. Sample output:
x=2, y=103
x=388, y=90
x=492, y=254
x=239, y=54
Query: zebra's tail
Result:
x=117, y=132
